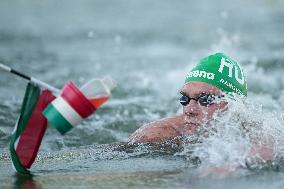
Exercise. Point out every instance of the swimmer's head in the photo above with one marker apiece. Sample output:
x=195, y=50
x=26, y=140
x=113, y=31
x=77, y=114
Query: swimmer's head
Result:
x=206, y=82
x=220, y=71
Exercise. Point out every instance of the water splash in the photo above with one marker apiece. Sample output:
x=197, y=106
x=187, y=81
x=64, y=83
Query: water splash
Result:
x=246, y=135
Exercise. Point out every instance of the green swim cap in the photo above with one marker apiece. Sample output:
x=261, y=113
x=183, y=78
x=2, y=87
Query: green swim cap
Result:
x=220, y=71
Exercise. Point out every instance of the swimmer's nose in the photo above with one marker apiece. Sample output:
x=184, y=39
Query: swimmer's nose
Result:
x=192, y=108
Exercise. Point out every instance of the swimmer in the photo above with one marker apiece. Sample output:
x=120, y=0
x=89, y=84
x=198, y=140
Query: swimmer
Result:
x=202, y=95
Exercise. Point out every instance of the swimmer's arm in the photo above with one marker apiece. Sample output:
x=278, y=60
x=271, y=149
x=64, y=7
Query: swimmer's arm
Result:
x=259, y=155
x=261, y=152
x=158, y=131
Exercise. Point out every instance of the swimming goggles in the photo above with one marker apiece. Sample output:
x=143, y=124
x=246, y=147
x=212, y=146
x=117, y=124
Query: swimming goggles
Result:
x=203, y=99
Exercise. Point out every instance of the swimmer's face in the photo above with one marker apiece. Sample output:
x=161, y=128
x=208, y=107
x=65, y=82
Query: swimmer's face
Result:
x=196, y=114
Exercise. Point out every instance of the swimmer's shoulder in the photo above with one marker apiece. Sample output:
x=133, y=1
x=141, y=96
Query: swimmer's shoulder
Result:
x=158, y=131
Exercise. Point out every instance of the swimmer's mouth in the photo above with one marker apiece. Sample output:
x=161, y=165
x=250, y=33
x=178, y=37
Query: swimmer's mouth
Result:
x=190, y=124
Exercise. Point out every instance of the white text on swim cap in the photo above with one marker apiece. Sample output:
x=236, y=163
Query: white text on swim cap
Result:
x=231, y=86
x=203, y=74
x=230, y=66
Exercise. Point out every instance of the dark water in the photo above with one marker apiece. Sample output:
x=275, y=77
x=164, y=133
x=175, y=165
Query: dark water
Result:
x=147, y=47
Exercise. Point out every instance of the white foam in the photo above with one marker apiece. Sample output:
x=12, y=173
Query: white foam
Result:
x=232, y=137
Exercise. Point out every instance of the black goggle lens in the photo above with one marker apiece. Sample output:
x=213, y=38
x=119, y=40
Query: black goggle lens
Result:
x=206, y=100
x=184, y=100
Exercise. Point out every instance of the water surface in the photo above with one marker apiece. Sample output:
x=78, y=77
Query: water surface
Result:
x=147, y=47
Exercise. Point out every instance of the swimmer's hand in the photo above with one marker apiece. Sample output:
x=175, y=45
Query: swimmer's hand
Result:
x=219, y=172
x=158, y=131
x=261, y=154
